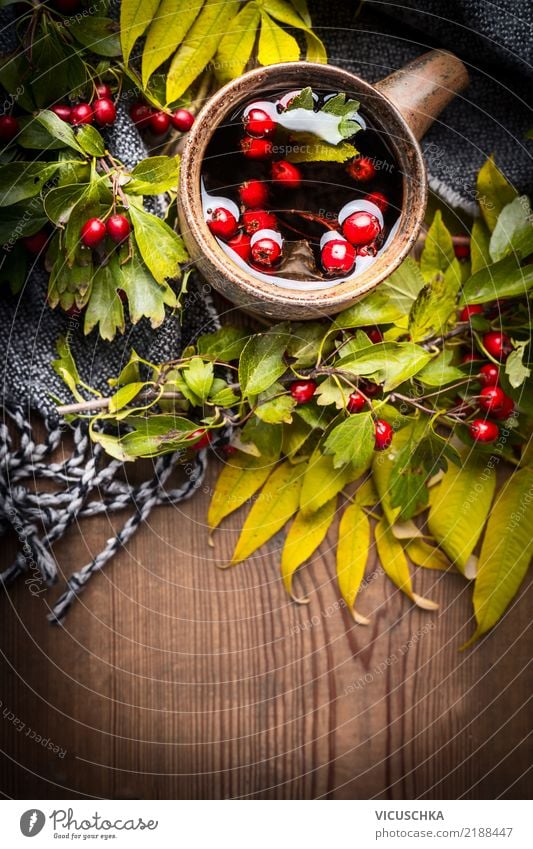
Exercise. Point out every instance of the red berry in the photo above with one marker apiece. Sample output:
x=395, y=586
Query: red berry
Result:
x=492, y=398
x=483, y=431
x=92, y=232
x=361, y=168
x=253, y=194
x=118, y=228
x=286, y=174
x=470, y=309
x=256, y=148
x=104, y=111
x=489, y=375
x=505, y=410
x=461, y=251
x=159, y=122
x=62, y=110
x=361, y=228
x=203, y=436
x=356, y=402
x=241, y=245
x=122, y=295
x=9, y=128
x=36, y=243
x=370, y=389
x=103, y=90
x=468, y=358
x=265, y=251
x=373, y=334
x=222, y=223
x=303, y=390
x=82, y=113
x=378, y=199
x=497, y=344
x=258, y=219
x=383, y=434
x=140, y=114
x=338, y=256
x=182, y=120
x=258, y=123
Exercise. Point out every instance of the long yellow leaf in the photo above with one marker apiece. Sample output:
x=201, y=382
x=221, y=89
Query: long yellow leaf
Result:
x=236, y=47
x=316, y=52
x=275, y=44
x=459, y=508
x=506, y=552
x=305, y=535
x=238, y=481
x=200, y=45
x=427, y=556
x=167, y=31
x=135, y=15
x=352, y=554
x=274, y=506
x=394, y=562
x=322, y=481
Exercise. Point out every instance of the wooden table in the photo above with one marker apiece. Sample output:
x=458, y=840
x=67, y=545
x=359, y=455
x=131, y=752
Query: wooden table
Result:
x=175, y=679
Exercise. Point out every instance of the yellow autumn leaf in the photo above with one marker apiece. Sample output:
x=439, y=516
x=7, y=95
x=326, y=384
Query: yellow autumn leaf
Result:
x=305, y=535
x=322, y=481
x=394, y=562
x=366, y=495
x=135, y=15
x=238, y=481
x=352, y=554
x=237, y=44
x=275, y=43
x=274, y=506
x=166, y=33
x=427, y=556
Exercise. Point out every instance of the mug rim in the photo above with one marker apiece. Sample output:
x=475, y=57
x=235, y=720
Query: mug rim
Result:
x=210, y=257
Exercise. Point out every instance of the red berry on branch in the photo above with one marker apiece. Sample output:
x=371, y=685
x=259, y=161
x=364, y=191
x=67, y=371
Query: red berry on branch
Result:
x=62, y=110
x=303, y=390
x=356, y=402
x=497, y=344
x=383, y=434
x=361, y=228
x=253, y=194
x=92, y=232
x=505, y=410
x=103, y=90
x=104, y=112
x=9, y=128
x=483, y=431
x=470, y=309
x=492, y=398
x=337, y=256
x=241, y=245
x=258, y=123
x=222, y=223
x=369, y=388
x=265, y=250
x=118, y=227
x=374, y=334
x=469, y=358
x=82, y=113
x=489, y=375
x=159, y=122
x=361, y=168
x=286, y=175
x=258, y=219
x=256, y=148
x=462, y=251
x=203, y=436
x=36, y=243
x=378, y=199
x=140, y=114
x=182, y=120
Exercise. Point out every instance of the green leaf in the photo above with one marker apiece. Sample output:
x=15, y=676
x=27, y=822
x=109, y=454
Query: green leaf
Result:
x=435, y=304
x=401, y=288
x=264, y=437
x=494, y=192
x=145, y=296
x=274, y=506
x=394, y=562
x=275, y=43
x=352, y=553
x=105, y=307
x=438, y=252
x=515, y=369
x=225, y=344
x=199, y=45
x=305, y=535
x=479, y=246
x=261, y=361
x=154, y=175
x=13, y=267
x=504, y=279
x=161, y=248
x=57, y=67
x=156, y=434
x=22, y=180
x=322, y=481
x=506, y=552
x=307, y=148
x=65, y=367
x=135, y=16
x=331, y=391
x=238, y=481
x=100, y=35
x=460, y=505
x=275, y=410
x=236, y=46
x=352, y=441
x=303, y=100
x=390, y=363
x=87, y=207
x=295, y=436
x=124, y=396
x=166, y=32
x=59, y=202
x=35, y=137
x=307, y=341
x=58, y=129
x=513, y=232
x=199, y=377
x=375, y=308
x=440, y=371
x=90, y=140
x=18, y=220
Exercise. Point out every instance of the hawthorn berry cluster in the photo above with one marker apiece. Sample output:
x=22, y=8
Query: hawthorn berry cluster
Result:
x=159, y=122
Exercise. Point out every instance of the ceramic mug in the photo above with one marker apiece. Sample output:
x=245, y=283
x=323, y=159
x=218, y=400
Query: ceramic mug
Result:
x=402, y=107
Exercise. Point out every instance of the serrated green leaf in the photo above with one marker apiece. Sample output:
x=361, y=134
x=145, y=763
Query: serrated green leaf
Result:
x=167, y=31
x=22, y=180
x=375, y=308
x=438, y=252
x=307, y=341
x=513, y=232
x=104, y=309
x=65, y=367
x=305, y=535
x=154, y=175
x=261, y=361
x=479, y=246
x=275, y=410
x=145, y=296
x=503, y=279
x=161, y=248
x=90, y=140
x=515, y=369
x=135, y=16
x=225, y=344
x=307, y=148
x=331, y=391
x=100, y=35
x=236, y=46
x=494, y=192
x=390, y=363
x=403, y=285
x=435, y=305
x=352, y=553
x=394, y=562
x=237, y=483
x=440, y=371
x=199, y=377
x=352, y=441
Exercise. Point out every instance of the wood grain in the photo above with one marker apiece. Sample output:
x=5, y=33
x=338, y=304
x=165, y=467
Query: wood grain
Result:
x=174, y=679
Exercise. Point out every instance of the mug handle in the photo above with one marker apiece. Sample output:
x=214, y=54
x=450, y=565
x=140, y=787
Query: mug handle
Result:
x=422, y=88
